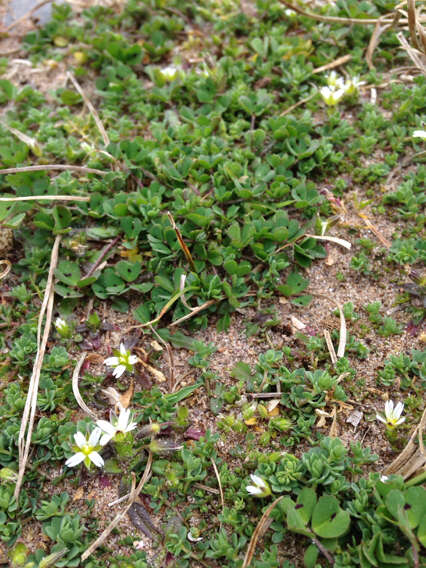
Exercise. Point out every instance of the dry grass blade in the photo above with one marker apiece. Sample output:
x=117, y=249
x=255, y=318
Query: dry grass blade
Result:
x=342, y=334
x=374, y=41
x=182, y=243
x=333, y=64
x=31, y=142
x=413, y=54
x=298, y=104
x=8, y=268
x=65, y=167
x=46, y=198
x=194, y=311
x=28, y=15
x=31, y=401
x=337, y=240
x=91, y=108
x=216, y=472
x=116, y=521
x=329, y=19
x=413, y=456
x=170, y=356
x=259, y=532
x=330, y=347
x=76, y=391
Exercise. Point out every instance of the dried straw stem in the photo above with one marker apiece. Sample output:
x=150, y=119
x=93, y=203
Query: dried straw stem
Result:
x=79, y=169
x=31, y=401
x=118, y=518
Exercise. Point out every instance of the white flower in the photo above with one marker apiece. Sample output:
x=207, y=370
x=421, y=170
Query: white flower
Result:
x=352, y=85
x=62, y=327
x=384, y=478
x=86, y=450
x=392, y=416
x=332, y=96
x=121, y=423
x=123, y=361
x=419, y=134
x=260, y=487
x=171, y=72
x=334, y=81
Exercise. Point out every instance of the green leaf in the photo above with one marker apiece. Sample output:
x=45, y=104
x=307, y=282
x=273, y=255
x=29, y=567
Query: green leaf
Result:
x=240, y=269
x=328, y=519
x=129, y=271
x=68, y=272
x=311, y=556
x=295, y=284
x=70, y=98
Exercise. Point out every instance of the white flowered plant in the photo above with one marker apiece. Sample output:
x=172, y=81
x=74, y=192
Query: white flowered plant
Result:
x=392, y=415
x=122, y=361
x=260, y=487
x=86, y=448
x=419, y=134
x=171, y=72
x=331, y=95
x=121, y=423
x=62, y=327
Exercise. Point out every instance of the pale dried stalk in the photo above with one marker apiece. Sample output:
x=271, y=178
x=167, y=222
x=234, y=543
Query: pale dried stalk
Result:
x=337, y=240
x=81, y=169
x=193, y=312
x=31, y=401
x=28, y=15
x=329, y=19
x=258, y=533
x=91, y=108
x=336, y=63
x=46, y=198
x=132, y=497
x=330, y=346
x=7, y=269
x=216, y=472
x=298, y=104
x=343, y=331
x=76, y=391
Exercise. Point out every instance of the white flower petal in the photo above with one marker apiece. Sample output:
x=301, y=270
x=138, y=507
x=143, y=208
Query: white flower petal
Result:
x=96, y=459
x=112, y=361
x=80, y=439
x=131, y=426
x=123, y=349
x=118, y=371
x=123, y=419
x=389, y=408
x=398, y=409
x=257, y=480
x=106, y=438
x=400, y=421
x=75, y=459
x=253, y=490
x=106, y=427
x=419, y=134
x=133, y=359
x=94, y=437
x=381, y=418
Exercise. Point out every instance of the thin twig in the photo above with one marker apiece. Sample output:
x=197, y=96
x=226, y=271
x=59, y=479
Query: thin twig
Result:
x=258, y=533
x=193, y=312
x=101, y=256
x=91, y=108
x=330, y=19
x=7, y=269
x=336, y=63
x=46, y=198
x=81, y=169
x=298, y=104
x=28, y=15
x=76, y=390
x=116, y=521
x=216, y=472
x=31, y=401
x=330, y=347
x=170, y=356
x=323, y=550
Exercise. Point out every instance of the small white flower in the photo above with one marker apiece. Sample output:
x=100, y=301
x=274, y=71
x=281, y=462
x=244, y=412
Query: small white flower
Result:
x=332, y=96
x=419, y=134
x=122, y=423
x=170, y=72
x=122, y=361
x=384, y=478
x=392, y=416
x=352, y=85
x=86, y=450
x=62, y=327
x=334, y=81
x=260, y=487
